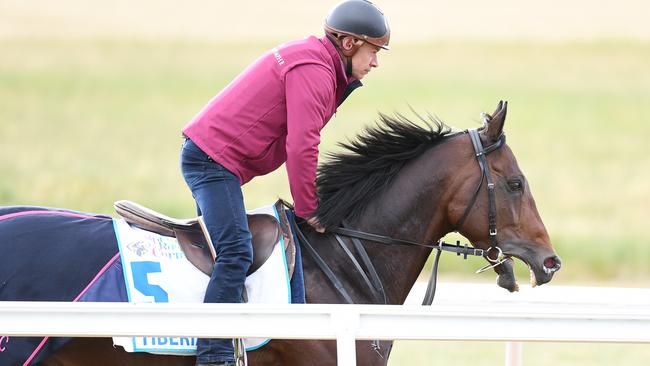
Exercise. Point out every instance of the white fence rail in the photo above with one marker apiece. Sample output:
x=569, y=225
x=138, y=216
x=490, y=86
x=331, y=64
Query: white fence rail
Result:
x=587, y=315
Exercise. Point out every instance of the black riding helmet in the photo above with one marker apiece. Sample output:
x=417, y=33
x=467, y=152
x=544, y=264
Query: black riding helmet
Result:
x=360, y=19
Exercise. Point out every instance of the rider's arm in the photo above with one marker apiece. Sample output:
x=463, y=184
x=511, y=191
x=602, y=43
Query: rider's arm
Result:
x=309, y=96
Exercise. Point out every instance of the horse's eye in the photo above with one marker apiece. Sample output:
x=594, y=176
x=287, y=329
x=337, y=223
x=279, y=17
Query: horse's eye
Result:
x=515, y=185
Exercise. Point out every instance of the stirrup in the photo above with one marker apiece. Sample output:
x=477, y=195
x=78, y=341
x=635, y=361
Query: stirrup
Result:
x=240, y=352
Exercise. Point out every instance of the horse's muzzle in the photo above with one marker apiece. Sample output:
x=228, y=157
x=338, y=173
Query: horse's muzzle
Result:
x=552, y=264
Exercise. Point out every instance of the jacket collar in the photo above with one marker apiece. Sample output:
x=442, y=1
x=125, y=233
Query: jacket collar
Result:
x=344, y=84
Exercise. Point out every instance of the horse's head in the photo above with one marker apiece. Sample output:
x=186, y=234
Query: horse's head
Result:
x=518, y=230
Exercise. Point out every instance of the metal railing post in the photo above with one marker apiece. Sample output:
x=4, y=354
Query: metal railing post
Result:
x=346, y=329
x=514, y=353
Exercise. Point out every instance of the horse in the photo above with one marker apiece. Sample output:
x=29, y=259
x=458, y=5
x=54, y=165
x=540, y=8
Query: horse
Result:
x=398, y=180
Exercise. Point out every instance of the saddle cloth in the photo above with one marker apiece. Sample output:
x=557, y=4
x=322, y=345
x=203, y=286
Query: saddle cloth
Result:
x=156, y=269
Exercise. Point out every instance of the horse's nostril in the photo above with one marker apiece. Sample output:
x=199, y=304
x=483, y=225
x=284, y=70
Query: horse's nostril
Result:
x=553, y=262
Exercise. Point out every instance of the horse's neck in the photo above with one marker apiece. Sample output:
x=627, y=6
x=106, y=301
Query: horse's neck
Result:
x=418, y=215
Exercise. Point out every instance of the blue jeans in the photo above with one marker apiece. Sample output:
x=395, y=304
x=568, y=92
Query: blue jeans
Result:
x=219, y=199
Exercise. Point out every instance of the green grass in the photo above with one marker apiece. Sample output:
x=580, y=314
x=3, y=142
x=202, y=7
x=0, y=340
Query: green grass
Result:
x=84, y=123
x=429, y=353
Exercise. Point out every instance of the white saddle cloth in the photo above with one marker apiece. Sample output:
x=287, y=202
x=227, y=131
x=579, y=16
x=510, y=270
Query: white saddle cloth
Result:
x=156, y=270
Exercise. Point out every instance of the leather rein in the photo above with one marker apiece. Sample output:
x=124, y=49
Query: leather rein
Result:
x=369, y=274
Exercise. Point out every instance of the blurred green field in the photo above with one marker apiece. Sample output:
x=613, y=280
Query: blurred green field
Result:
x=86, y=122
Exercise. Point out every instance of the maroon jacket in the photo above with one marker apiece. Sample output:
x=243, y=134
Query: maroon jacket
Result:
x=273, y=112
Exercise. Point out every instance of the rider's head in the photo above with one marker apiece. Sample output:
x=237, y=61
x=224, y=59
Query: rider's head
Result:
x=360, y=30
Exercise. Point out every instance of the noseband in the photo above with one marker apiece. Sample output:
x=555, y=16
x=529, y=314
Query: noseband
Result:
x=372, y=279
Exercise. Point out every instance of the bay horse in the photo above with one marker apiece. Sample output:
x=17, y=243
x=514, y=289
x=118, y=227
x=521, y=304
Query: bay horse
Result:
x=399, y=180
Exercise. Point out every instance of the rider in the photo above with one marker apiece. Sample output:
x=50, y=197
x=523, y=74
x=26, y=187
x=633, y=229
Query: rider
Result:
x=270, y=114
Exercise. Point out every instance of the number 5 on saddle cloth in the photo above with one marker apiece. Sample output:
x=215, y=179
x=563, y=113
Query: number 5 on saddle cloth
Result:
x=170, y=260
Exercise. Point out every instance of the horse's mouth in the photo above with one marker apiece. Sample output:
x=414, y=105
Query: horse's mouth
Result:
x=541, y=270
x=506, y=276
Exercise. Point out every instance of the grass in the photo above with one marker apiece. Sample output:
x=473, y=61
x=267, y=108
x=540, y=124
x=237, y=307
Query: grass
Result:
x=426, y=353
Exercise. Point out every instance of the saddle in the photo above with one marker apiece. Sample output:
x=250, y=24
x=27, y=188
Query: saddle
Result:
x=195, y=242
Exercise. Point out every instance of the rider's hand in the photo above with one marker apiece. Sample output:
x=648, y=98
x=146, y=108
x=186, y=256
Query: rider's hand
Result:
x=313, y=221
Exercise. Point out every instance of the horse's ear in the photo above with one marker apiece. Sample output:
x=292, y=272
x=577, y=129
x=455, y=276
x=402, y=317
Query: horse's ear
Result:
x=494, y=127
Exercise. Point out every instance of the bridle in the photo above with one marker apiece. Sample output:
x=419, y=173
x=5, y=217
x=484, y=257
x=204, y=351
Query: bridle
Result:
x=372, y=279
x=481, y=157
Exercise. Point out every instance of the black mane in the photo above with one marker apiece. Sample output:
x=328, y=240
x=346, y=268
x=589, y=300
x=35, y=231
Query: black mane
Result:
x=347, y=181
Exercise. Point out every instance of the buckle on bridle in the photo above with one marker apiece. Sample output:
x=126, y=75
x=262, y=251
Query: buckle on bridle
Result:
x=499, y=254
x=495, y=262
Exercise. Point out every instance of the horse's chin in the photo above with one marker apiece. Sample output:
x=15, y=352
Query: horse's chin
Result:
x=506, y=276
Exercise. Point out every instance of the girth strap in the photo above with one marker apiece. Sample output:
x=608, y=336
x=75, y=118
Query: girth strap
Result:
x=324, y=267
x=376, y=287
x=363, y=274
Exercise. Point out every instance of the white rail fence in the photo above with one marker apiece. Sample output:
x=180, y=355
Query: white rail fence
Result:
x=462, y=312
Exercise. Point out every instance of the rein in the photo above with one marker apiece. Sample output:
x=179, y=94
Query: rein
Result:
x=372, y=280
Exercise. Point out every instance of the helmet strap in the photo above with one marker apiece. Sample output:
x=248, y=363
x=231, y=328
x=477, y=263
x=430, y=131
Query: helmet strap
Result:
x=348, y=66
x=337, y=40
